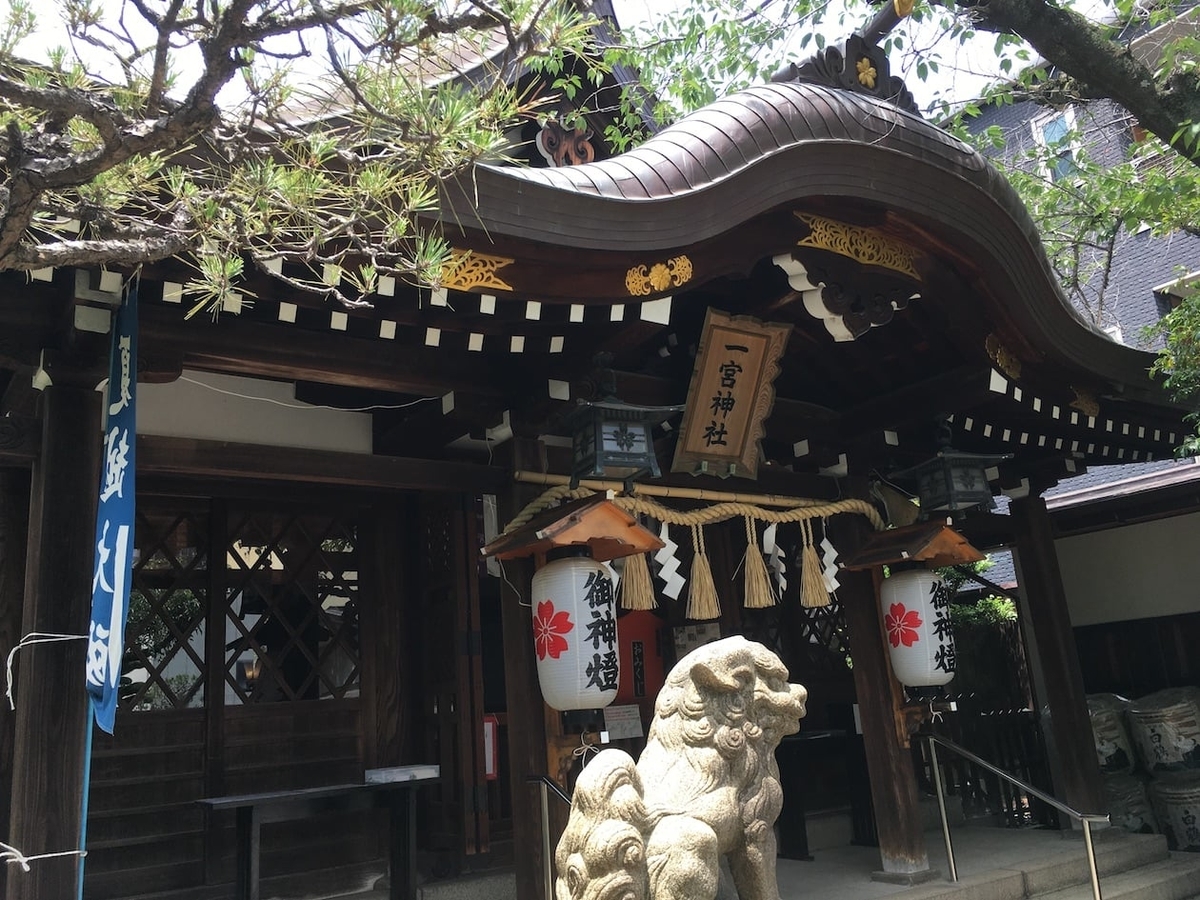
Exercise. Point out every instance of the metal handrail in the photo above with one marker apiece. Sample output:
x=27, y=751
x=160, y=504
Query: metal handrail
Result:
x=1085, y=819
x=546, y=784
x=549, y=783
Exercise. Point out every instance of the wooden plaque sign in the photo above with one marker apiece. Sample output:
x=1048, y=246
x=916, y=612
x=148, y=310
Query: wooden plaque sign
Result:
x=730, y=396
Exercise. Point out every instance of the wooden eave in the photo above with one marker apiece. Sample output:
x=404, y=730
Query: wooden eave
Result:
x=595, y=522
x=933, y=543
x=781, y=146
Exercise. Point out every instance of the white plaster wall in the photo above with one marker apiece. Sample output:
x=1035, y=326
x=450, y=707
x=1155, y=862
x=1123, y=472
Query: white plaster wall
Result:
x=1139, y=571
x=247, y=410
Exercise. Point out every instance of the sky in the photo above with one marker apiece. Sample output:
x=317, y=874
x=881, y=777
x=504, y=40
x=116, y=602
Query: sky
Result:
x=964, y=72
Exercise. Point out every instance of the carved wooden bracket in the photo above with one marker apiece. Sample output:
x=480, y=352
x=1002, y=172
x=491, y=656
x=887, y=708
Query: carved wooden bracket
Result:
x=560, y=147
x=20, y=439
x=850, y=300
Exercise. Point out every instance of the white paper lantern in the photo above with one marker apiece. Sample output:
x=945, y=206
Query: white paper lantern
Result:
x=575, y=632
x=916, y=618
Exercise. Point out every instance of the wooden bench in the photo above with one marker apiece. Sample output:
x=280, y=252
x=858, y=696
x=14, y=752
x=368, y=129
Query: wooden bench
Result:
x=396, y=796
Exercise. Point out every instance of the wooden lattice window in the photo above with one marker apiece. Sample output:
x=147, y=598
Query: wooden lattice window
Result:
x=823, y=636
x=163, y=665
x=766, y=627
x=292, y=608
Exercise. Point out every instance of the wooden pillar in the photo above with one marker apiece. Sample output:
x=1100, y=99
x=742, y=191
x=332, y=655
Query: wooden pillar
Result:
x=1054, y=659
x=386, y=649
x=14, y=523
x=889, y=761
x=214, y=690
x=52, y=711
x=526, y=725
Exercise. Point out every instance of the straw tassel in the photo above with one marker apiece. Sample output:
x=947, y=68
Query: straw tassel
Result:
x=702, y=593
x=759, y=592
x=812, y=582
x=637, y=591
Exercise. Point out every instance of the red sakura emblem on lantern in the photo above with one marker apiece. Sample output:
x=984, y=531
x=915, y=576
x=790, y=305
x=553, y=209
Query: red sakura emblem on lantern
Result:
x=902, y=625
x=548, y=630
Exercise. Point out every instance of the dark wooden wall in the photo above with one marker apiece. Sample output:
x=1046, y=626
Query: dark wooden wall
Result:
x=146, y=832
x=144, y=826
x=1135, y=658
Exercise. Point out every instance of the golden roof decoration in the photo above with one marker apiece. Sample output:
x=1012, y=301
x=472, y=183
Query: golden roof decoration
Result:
x=868, y=246
x=469, y=270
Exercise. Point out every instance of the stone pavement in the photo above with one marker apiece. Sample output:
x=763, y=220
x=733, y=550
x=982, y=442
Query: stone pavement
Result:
x=984, y=854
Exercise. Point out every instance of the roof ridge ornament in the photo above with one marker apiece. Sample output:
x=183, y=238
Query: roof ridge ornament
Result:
x=862, y=66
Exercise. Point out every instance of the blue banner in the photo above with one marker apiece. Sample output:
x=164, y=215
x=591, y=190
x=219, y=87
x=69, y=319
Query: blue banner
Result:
x=114, y=519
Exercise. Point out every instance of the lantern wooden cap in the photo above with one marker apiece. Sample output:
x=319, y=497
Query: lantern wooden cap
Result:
x=933, y=543
x=607, y=530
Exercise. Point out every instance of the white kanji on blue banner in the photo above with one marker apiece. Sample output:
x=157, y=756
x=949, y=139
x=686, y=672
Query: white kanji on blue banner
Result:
x=114, y=520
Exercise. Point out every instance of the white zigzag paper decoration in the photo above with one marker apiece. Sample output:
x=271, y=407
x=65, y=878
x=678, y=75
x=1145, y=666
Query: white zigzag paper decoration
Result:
x=776, y=561
x=613, y=574
x=829, y=556
x=669, y=564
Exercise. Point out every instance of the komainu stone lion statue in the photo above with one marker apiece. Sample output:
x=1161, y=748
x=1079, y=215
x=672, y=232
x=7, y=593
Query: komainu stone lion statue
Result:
x=706, y=785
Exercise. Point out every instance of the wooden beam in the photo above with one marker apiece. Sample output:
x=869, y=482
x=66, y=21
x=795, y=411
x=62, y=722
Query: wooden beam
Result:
x=264, y=351
x=31, y=317
x=193, y=457
x=1145, y=505
x=431, y=426
x=1058, y=679
x=52, y=708
x=986, y=530
x=956, y=389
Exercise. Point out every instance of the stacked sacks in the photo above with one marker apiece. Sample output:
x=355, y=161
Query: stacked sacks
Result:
x=1113, y=748
x=1165, y=727
x=1176, y=797
x=1128, y=805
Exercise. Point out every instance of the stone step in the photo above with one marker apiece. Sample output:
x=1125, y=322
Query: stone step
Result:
x=1116, y=852
x=1131, y=866
x=1174, y=878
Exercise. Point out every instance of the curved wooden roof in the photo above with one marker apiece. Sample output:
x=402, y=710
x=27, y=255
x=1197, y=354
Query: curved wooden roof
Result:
x=779, y=144
x=721, y=187
x=721, y=142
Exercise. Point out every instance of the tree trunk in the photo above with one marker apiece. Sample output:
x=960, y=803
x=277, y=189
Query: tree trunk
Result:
x=1106, y=68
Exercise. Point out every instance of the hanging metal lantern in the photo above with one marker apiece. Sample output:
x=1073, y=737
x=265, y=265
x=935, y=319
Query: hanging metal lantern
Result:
x=575, y=631
x=611, y=439
x=952, y=480
x=916, y=615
